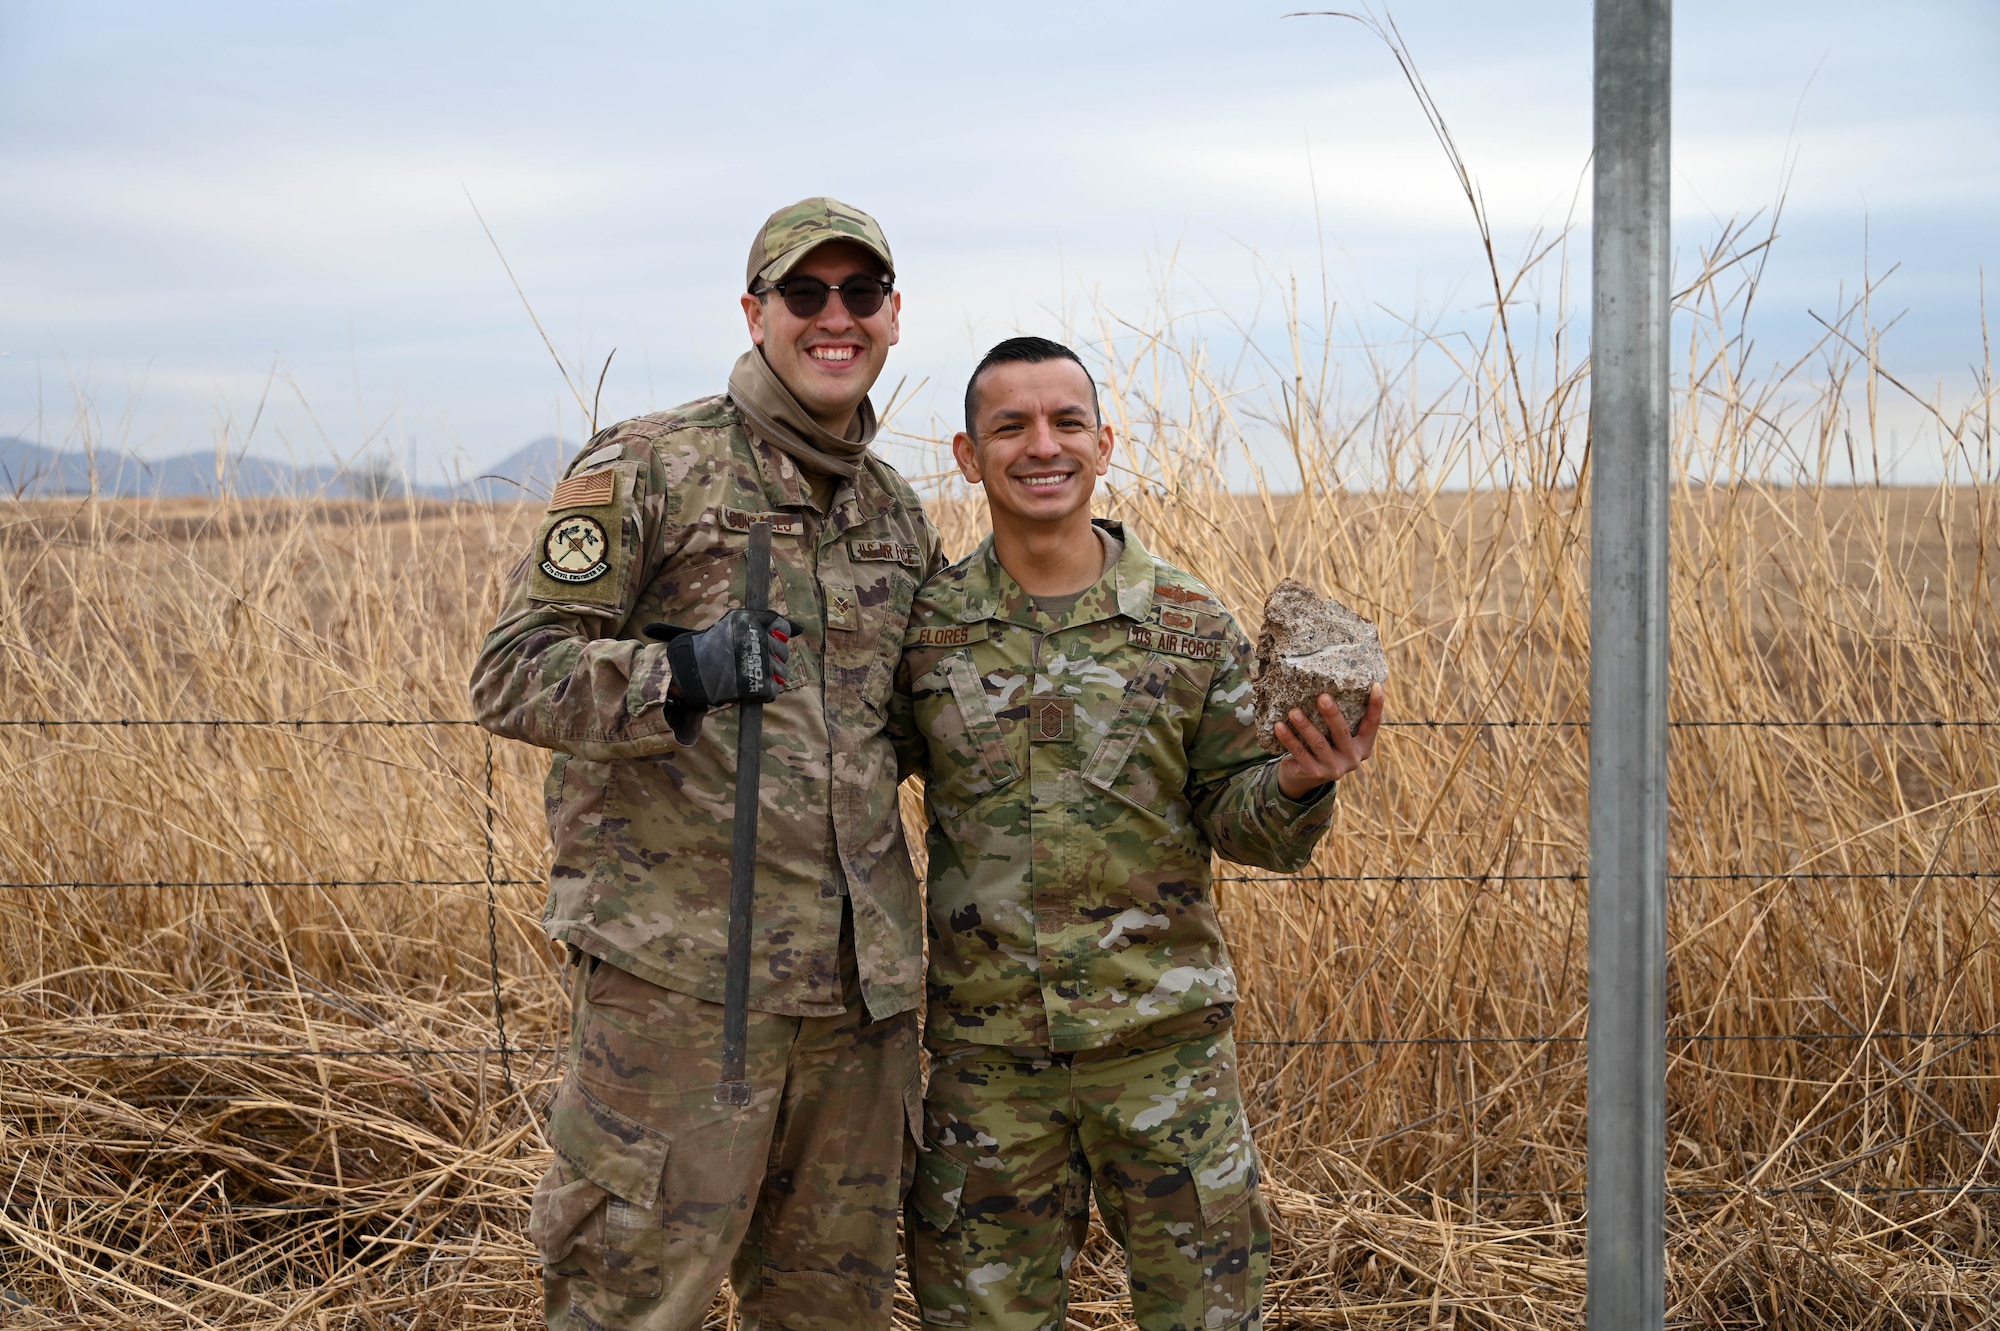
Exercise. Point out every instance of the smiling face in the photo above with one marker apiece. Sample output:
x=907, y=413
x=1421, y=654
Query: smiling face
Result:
x=1039, y=448
x=831, y=360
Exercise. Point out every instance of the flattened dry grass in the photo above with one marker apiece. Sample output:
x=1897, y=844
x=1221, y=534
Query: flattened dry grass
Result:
x=1429, y=1175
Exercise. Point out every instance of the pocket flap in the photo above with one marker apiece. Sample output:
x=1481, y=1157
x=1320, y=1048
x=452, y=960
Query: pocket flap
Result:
x=981, y=729
x=939, y=1185
x=620, y=1155
x=1225, y=1174
x=1135, y=713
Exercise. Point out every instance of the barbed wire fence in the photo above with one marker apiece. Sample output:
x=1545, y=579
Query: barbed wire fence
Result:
x=505, y=1049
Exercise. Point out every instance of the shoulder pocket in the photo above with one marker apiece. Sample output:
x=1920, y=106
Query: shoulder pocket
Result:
x=939, y=1185
x=586, y=544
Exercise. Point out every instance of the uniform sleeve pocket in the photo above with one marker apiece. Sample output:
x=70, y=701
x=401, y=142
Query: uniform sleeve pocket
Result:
x=1225, y=1174
x=588, y=542
x=939, y=1185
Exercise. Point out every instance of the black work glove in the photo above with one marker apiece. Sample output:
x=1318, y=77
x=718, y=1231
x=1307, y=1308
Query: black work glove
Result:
x=738, y=658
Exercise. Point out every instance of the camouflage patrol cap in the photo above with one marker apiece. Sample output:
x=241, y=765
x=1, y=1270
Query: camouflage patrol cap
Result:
x=793, y=232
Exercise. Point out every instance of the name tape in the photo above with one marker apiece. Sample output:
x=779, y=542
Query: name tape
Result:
x=949, y=635
x=782, y=524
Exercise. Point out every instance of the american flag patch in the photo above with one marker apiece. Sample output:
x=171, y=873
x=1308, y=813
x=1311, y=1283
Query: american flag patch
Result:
x=592, y=489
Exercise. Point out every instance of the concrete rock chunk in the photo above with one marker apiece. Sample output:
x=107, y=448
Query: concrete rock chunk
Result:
x=1311, y=646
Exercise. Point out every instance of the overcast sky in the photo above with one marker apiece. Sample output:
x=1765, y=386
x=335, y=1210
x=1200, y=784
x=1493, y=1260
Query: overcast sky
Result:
x=194, y=193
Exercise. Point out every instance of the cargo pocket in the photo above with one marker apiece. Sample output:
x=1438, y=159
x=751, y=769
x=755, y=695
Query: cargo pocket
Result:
x=1236, y=1240
x=913, y=1132
x=935, y=1193
x=936, y=1245
x=596, y=1214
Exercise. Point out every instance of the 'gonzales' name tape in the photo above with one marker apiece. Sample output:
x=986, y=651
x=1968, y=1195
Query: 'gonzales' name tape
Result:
x=782, y=524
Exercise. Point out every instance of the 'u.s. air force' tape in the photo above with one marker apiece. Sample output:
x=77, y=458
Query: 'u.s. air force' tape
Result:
x=884, y=552
x=1151, y=639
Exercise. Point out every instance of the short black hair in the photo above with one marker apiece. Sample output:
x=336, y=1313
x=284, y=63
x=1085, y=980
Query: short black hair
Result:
x=1024, y=351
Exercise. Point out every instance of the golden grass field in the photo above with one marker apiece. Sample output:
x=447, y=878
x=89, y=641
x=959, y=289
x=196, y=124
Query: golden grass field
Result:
x=283, y=1181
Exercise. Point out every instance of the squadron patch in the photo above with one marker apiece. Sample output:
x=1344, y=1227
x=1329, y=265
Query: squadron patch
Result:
x=575, y=550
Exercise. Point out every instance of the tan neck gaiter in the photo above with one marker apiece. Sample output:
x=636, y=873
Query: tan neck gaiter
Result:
x=777, y=418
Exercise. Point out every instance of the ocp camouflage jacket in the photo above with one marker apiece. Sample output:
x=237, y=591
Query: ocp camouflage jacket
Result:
x=1079, y=773
x=651, y=524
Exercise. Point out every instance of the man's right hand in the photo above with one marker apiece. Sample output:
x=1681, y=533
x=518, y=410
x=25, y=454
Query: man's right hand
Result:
x=738, y=658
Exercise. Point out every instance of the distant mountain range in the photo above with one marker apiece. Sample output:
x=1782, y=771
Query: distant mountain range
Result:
x=30, y=471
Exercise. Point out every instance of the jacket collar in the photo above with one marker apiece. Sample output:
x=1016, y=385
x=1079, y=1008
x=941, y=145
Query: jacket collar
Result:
x=855, y=501
x=1125, y=589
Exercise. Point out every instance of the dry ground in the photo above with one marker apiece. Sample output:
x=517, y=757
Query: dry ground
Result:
x=187, y=1138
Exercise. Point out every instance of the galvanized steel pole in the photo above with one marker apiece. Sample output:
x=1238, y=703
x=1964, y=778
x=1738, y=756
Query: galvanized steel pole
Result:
x=1628, y=666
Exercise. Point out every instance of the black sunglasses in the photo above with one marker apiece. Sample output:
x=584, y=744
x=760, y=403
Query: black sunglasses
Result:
x=805, y=297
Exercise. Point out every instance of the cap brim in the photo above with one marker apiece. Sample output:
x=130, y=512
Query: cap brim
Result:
x=775, y=270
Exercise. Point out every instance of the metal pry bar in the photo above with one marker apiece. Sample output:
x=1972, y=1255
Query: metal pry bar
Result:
x=734, y=1088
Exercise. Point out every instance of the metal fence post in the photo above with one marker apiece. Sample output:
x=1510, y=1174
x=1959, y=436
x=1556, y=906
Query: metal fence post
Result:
x=1628, y=665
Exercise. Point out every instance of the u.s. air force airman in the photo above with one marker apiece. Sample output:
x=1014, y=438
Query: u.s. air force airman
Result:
x=615, y=650
x=1080, y=711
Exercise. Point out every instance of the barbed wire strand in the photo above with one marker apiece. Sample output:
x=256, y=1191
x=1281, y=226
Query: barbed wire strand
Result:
x=1421, y=723
x=493, y=933
x=441, y=1051
x=282, y=882
x=205, y=1206
x=1580, y=876
x=1576, y=876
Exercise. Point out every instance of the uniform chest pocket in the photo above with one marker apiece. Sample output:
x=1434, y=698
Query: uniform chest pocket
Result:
x=970, y=756
x=867, y=608
x=706, y=575
x=1142, y=758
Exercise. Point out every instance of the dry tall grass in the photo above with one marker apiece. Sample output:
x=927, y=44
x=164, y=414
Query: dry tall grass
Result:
x=1419, y=1183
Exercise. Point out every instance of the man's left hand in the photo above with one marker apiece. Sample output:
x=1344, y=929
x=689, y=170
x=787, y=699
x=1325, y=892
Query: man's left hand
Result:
x=1314, y=759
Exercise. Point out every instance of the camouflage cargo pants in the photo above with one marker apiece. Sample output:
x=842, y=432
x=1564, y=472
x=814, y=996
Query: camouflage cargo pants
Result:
x=656, y=1192
x=1017, y=1139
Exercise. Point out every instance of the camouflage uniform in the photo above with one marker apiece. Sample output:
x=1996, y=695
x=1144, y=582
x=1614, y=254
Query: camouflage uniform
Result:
x=1080, y=772
x=651, y=524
